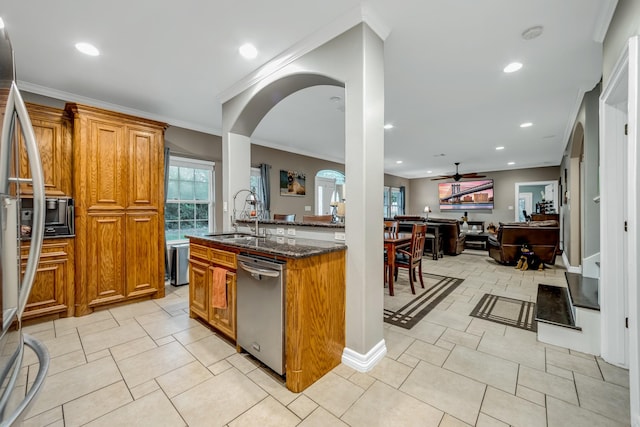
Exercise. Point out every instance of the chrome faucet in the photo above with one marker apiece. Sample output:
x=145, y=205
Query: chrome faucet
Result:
x=252, y=199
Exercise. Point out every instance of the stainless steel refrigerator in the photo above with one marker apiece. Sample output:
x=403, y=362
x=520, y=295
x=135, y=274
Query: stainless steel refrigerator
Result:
x=15, y=284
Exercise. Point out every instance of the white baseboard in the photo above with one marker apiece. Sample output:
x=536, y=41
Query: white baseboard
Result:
x=570, y=269
x=364, y=362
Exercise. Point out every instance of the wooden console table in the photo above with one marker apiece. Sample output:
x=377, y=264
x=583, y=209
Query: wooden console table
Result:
x=476, y=240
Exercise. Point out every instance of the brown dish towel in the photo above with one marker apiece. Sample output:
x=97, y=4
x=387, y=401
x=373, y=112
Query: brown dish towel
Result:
x=219, y=288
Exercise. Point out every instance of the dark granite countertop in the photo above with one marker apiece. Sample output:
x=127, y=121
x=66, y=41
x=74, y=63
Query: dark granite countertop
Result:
x=274, y=245
x=293, y=223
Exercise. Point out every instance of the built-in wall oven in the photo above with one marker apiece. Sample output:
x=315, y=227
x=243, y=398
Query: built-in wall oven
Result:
x=260, y=306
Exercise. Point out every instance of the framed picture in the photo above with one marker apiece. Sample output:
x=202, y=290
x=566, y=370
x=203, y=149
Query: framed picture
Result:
x=292, y=183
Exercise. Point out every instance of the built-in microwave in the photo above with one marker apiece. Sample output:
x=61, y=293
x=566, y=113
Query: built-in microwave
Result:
x=59, y=216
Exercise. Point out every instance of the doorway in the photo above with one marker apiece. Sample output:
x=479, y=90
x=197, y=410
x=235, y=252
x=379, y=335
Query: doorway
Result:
x=539, y=192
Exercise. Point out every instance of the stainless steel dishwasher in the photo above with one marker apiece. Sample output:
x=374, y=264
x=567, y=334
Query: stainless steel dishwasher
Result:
x=260, y=309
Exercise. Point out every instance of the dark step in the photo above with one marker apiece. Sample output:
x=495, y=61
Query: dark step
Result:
x=583, y=291
x=553, y=306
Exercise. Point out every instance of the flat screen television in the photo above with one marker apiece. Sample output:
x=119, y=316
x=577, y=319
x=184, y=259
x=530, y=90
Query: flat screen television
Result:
x=466, y=195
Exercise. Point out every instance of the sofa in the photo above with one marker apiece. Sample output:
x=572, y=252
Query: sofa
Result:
x=542, y=237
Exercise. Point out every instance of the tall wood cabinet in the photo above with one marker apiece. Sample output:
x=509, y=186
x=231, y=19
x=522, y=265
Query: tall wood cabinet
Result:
x=119, y=189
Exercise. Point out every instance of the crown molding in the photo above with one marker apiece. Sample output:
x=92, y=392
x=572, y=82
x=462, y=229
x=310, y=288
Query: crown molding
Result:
x=72, y=97
x=603, y=20
x=308, y=44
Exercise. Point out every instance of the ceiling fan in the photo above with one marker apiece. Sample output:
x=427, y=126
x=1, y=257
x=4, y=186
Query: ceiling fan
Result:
x=458, y=176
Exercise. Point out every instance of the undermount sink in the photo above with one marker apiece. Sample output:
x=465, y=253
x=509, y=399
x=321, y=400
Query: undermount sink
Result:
x=229, y=236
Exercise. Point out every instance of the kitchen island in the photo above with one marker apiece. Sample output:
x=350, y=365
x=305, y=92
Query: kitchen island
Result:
x=314, y=296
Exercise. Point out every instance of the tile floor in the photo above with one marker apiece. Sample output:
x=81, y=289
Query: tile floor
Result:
x=149, y=364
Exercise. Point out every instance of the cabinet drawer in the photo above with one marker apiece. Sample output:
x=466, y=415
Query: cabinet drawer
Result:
x=227, y=259
x=198, y=251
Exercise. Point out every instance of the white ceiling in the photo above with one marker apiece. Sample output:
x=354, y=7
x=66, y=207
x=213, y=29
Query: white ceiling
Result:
x=445, y=91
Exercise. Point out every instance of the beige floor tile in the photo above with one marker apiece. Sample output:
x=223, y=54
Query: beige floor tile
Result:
x=302, y=406
x=111, y=337
x=165, y=340
x=447, y=345
x=427, y=352
x=396, y=343
x=274, y=386
x=133, y=347
x=156, y=316
x=449, y=421
x=130, y=311
x=35, y=328
x=56, y=347
x=485, y=420
x=144, y=389
x=613, y=374
x=513, y=350
x=481, y=326
x=343, y=370
x=604, y=398
x=384, y=405
x=574, y=363
x=269, y=412
x=445, y=390
x=409, y=360
x=157, y=410
x=483, y=367
x=552, y=385
x=153, y=363
x=334, y=393
x=193, y=334
x=71, y=323
x=362, y=380
x=219, y=400
x=94, y=327
x=44, y=419
x=94, y=405
x=512, y=409
x=219, y=367
x=243, y=362
x=461, y=338
x=66, y=361
x=562, y=414
x=163, y=328
x=73, y=383
x=98, y=355
x=390, y=372
x=448, y=319
x=424, y=331
x=182, y=379
x=211, y=349
x=321, y=418
x=561, y=372
x=531, y=395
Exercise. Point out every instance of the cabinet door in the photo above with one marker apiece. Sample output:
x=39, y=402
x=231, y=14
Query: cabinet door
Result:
x=53, y=135
x=104, y=258
x=198, y=288
x=224, y=319
x=52, y=291
x=146, y=181
x=106, y=166
x=145, y=272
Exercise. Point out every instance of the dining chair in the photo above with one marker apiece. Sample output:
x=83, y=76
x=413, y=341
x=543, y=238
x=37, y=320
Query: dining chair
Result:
x=391, y=226
x=411, y=257
x=284, y=217
x=317, y=218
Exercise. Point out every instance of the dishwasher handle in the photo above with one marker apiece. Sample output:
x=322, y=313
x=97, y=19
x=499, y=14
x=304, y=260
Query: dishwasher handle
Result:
x=259, y=271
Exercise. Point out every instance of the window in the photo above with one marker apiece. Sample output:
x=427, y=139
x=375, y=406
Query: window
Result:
x=190, y=202
x=392, y=202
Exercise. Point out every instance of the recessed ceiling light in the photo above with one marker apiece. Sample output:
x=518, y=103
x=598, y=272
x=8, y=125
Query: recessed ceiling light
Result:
x=511, y=163
x=398, y=162
x=532, y=32
x=526, y=125
x=1, y=24
x=429, y=171
x=388, y=126
x=248, y=51
x=514, y=66
x=87, y=49
x=499, y=148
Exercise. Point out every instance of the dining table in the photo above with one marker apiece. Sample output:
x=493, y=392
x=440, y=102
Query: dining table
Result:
x=392, y=242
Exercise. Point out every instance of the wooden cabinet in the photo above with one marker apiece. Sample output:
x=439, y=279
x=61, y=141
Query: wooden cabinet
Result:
x=202, y=262
x=52, y=129
x=119, y=187
x=52, y=293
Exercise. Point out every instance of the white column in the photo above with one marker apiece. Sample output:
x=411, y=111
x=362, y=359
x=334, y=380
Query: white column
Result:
x=236, y=171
